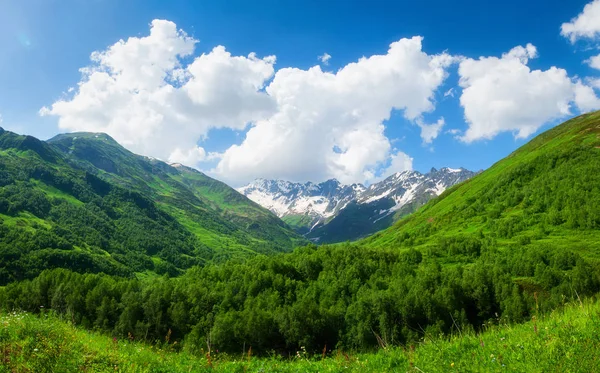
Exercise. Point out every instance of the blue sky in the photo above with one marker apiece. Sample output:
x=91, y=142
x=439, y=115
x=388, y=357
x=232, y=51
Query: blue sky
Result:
x=45, y=43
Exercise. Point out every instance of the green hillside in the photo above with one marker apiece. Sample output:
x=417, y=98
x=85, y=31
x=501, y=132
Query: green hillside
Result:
x=219, y=216
x=81, y=201
x=547, y=193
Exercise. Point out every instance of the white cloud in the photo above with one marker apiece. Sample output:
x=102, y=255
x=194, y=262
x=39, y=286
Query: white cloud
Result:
x=304, y=125
x=449, y=93
x=399, y=162
x=331, y=124
x=593, y=82
x=324, y=58
x=504, y=94
x=585, y=25
x=430, y=132
x=138, y=92
x=190, y=156
x=594, y=62
x=585, y=97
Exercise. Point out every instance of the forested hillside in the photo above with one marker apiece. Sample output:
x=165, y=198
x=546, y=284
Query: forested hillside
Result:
x=519, y=239
x=83, y=202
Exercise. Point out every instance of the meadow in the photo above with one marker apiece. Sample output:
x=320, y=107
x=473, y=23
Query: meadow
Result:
x=566, y=340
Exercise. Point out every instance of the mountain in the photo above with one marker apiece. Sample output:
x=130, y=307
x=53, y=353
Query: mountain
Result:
x=84, y=202
x=333, y=212
x=302, y=205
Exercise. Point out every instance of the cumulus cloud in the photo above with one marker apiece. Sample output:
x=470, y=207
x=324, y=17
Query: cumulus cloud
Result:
x=303, y=125
x=324, y=58
x=399, y=162
x=430, y=132
x=331, y=124
x=594, y=62
x=138, y=91
x=504, y=94
x=585, y=26
x=585, y=97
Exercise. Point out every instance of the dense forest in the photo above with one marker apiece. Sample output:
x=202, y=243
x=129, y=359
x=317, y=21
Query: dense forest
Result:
x=517, y=240
x=337, y=296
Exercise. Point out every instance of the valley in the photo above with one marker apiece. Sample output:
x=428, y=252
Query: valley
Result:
x=299, y=186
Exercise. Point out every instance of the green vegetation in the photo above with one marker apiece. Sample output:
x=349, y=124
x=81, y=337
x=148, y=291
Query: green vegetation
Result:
x=83, y=202
x=547, y=192
x=301, y=223
x=564, y=341
x=517, y=241
x=344, y=296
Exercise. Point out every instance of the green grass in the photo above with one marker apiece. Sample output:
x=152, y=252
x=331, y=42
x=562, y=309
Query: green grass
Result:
x=567, y=340
x=25, y=220
x=562, y=160
x=298, y=221
x=55, y=193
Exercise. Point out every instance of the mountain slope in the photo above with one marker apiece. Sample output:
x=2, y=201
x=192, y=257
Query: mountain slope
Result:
x=545, y=193
x=332, y=212
x=195, y=199
x=82, y=201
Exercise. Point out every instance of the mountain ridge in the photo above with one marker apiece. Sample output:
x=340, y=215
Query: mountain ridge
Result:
x=311, y=207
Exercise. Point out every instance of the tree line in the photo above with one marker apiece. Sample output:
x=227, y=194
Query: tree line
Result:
x=345, y=296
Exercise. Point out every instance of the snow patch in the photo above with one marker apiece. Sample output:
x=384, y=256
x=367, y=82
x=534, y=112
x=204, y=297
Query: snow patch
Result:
x=378, y=196
x=277, y=205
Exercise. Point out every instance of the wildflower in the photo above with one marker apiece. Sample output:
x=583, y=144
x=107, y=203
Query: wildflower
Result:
x=35, y=350
x=452, y=365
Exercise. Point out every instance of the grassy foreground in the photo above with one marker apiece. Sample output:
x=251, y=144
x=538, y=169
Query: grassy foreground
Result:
x=567, y=340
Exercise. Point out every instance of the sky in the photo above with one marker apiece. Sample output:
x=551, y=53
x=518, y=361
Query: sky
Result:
x=301, y=90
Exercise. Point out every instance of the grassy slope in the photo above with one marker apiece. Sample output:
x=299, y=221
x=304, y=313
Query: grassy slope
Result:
x=82, y=201
x=564, y=341
x=220, y=217
x=237, y=224
x=480, y=205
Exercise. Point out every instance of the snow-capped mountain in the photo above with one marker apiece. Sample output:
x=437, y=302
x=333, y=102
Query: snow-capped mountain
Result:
x=331, y=211
x=304, y=204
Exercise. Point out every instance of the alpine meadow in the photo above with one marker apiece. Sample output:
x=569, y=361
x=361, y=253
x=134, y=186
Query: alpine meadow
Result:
x=348, y=233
